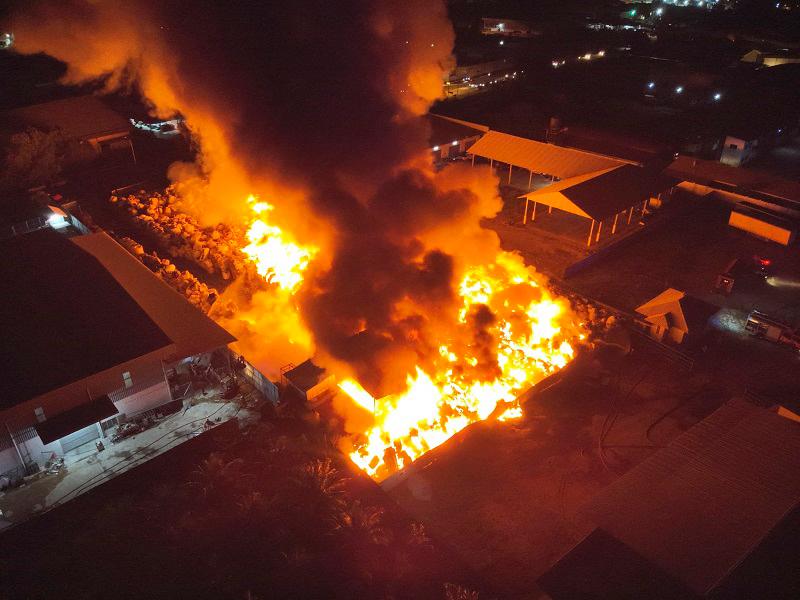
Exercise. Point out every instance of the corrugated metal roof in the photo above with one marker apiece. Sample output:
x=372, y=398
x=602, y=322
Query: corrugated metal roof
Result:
x=191, y=330
x=540, y=157
x=763, y=185
x=80, y=117
x=602, y=193
x=700, y=506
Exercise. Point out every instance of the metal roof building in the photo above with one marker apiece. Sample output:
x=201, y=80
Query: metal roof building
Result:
x=538, y=157
x=700, y=507
x=81, y=117
x=600, y=195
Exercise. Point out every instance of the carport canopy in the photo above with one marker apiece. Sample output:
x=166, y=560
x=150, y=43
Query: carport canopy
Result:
x=74, y=419
x=601, y=194
x=539, y=157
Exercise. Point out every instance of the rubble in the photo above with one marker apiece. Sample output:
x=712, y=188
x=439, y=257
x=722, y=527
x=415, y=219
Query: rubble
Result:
x=215, y=249
x=197, y=292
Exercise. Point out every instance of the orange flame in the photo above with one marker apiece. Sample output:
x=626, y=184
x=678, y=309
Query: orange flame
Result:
x=278, y=259
x=530, y=342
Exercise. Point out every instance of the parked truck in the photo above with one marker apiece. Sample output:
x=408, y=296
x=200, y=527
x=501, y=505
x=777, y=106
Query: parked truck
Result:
x=761, y=325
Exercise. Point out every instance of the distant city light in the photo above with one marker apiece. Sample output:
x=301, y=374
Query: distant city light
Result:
x=651, y=85
x=502, y=42
x=501, y=25
x=454, y=143
x=679, y=89
x=601, y=53
x=436, y=148
x=717, y=96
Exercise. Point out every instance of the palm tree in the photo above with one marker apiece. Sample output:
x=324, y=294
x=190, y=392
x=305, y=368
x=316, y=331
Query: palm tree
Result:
x=214, y=474
x=454, y=591
x=362, y=525
x=319, y=476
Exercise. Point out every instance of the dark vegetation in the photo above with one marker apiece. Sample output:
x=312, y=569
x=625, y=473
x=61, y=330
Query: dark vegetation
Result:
x=273, y=513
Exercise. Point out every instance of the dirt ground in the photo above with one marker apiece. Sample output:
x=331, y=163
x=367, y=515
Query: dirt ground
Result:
x=504, y=494
x=688, y=253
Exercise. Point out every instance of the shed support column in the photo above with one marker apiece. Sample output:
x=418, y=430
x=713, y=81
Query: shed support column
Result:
x=549, y=209
x=530, y=178
x=534, y=211
x=491, y=163
x=614, y=226
x=644, y=207
x=473, y=160
x=525, y=216
x=630, y=214
x=591, y=230
x=509, y=173
x=599, y=229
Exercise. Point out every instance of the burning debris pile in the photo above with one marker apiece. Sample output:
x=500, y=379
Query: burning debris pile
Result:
x=184, y=282
x=525, y=334
x=216, y=249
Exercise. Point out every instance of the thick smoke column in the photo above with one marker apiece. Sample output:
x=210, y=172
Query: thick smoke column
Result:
x=315, y=106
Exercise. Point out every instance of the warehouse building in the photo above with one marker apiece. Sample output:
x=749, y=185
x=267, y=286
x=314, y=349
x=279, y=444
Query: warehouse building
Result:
x=714, y=514
x=90, y=335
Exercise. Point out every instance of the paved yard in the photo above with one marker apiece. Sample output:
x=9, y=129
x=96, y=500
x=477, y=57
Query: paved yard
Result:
x=86, y=468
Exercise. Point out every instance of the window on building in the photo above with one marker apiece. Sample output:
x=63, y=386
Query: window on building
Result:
x=127, y=379
x=39, y=412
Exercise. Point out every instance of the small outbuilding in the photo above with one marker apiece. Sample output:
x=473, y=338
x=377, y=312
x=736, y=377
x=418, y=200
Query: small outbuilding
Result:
x=676, y=316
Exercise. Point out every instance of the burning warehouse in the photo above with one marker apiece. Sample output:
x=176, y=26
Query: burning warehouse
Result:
x=353, y=232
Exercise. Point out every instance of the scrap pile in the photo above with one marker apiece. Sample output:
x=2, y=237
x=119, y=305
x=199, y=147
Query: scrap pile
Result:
x=197, y=292
x=215, y=249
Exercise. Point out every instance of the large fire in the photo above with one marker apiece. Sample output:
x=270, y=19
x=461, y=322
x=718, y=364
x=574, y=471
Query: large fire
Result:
x=325, y=116
x=277, y=258
x=529, y=345
x=530, y=335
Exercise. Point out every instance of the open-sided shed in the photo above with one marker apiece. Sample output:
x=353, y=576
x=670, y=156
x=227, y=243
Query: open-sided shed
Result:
x=600, y=195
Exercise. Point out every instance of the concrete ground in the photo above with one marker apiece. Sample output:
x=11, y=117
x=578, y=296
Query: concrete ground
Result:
x=86, y=468
x=558, y=239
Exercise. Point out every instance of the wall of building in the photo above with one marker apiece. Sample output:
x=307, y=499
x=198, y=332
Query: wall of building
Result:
x=762, y=229
x=732, y=198
x=143, y=398
x=145, y=368
x=9, y=460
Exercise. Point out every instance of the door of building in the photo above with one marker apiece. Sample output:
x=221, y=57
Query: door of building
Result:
x=79, y=438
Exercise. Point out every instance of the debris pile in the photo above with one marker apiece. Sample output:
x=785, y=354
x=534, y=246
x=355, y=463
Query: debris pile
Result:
x=197, y=292
x=216, y=249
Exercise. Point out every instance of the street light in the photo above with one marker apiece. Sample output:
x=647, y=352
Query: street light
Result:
x=651, y=85
x=717, y=97
x=679, y=89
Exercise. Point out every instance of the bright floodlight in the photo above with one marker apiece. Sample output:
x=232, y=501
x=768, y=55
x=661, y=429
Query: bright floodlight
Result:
x=659, y=11
x=717, y=96
x=454, y=143
x=502, y=42
x=436, y=148
x=679, y=89
x=651, y=85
